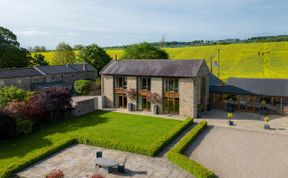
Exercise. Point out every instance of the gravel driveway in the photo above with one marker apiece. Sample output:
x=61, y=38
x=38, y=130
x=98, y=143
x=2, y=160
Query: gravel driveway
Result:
x=238, y=153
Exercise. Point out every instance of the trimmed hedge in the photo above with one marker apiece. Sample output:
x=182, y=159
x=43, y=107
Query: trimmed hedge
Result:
x=175, y=154
x=37, y=156
x=106, y=143
x=166, y=139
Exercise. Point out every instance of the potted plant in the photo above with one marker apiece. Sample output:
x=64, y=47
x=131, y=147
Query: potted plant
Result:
x=266, y=120
x=229, y=117
x=131, y=94
x=155, y=99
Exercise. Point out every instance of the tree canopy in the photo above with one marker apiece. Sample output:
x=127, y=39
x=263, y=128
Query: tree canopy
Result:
x=95, y=56
x=144, y=51
x=11, y=54
x=37, y=59
x=64, y=54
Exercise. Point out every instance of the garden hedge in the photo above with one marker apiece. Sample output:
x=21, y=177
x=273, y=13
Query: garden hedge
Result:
x=106, y=143
x=176, y=156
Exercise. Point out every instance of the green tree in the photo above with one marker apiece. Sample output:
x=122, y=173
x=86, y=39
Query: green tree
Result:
x=144, y=51
x=37, y=60
x=11, y=54
x=64, y=54
x=78, y=47
x=95, y=56
x=8, y=94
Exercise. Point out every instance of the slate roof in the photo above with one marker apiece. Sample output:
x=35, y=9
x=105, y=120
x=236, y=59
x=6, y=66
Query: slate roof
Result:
x=50, y=70
x=44, y=70
x=18, y=72
x=215, y=81
x=153, y=67
x=229, y=89
x=80, y=68
x=267, y=87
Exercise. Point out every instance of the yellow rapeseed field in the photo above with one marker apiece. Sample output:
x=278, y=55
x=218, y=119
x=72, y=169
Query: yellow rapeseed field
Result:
x=253, y=60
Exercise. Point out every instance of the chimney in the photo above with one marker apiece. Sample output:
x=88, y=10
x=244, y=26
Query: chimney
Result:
x=67, y=64
x=84, y=66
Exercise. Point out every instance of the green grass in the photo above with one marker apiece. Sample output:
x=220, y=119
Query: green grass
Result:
x=123, y=128
x=237, y=60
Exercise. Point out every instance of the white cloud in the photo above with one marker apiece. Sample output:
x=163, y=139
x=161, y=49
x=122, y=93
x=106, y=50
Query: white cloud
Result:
x=31, y=33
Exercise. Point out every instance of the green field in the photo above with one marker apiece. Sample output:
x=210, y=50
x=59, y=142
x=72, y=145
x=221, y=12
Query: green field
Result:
x=258, y=60
x=124, y=128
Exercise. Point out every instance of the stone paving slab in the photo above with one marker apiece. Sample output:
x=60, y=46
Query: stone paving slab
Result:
x=239, y=153
x=79, y=161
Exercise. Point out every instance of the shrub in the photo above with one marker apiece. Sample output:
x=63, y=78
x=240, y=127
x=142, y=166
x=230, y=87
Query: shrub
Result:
x=48, y=105
x=8, y=94
x=24, y=125
x=97, y=176
x=175, y=156
x=55, y=173
x=7, y=126
x=82, y=87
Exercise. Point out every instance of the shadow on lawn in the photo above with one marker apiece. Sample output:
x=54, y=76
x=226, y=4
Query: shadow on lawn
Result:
x=21, y=146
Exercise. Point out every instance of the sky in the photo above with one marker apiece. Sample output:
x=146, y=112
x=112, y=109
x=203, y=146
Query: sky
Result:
x=120, y=22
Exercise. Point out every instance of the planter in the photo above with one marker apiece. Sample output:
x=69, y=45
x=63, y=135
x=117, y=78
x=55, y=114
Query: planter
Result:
x=266, y=126
x=230, y=123
x=155, y=109
x=130, y=107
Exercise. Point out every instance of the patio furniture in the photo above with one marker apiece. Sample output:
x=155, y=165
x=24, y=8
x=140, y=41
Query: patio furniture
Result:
x=121, y=166
x=106, y=163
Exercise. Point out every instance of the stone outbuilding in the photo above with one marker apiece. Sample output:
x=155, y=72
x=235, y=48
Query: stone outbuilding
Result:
x=45, y=77
x=156, y=85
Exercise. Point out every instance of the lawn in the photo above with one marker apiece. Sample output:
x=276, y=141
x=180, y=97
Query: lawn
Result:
x=126, y=128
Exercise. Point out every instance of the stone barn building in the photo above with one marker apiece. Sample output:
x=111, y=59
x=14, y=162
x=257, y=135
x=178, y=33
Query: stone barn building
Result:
x=182, y=85
x=45, y=77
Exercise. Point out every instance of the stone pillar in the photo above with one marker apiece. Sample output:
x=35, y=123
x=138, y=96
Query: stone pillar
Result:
x=108, y=90
x=188, y=97
x=157, y=87
x=132, y=84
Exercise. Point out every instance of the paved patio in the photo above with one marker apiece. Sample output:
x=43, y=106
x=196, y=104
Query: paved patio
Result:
x=79, y=161
x=241, y=153
x=247, y=121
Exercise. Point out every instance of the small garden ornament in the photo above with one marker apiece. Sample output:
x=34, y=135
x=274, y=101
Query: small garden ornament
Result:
x=229, y=117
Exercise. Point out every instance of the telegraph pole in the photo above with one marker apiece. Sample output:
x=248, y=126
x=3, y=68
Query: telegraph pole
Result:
x=218, y=51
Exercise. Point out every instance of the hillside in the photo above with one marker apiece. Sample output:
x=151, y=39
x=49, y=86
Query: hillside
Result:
x=253, y=60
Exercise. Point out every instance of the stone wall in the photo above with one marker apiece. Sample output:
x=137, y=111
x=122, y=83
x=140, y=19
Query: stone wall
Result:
x=157, y=87
x=53, y=78
x=37, y=79
x=107, y=90
x=69, y=77
x=20, y=82
x=187, y=97
x=132, y=84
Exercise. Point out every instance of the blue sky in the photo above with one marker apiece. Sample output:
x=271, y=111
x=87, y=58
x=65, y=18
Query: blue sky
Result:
x=117, y=22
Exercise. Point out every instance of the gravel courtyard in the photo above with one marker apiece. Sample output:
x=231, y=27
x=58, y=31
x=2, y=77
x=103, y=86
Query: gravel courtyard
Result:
x=79, y=161
x=239, y=153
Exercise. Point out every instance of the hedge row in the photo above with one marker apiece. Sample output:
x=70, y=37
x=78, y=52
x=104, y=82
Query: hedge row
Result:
x=175, y=154
x=166, y=139
x=106, y=143
x=37, y=156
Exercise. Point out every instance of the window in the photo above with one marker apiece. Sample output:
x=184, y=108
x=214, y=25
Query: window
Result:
x=120, y=82
x=171, y=96
x=171, y=85
x=144, y=83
